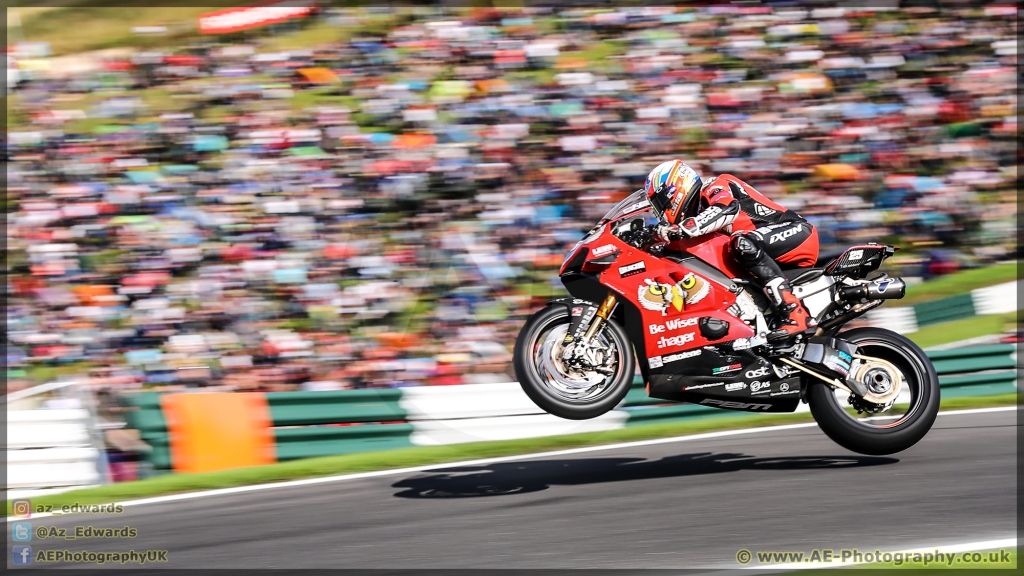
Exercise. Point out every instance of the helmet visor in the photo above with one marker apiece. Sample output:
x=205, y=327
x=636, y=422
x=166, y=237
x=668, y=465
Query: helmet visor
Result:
x=660, y=202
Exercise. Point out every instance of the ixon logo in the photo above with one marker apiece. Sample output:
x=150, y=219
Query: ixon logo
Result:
x=780, y=236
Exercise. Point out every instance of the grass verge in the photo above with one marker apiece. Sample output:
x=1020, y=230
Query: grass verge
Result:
x=424, y=455
x=960, y=283
x=957, y=330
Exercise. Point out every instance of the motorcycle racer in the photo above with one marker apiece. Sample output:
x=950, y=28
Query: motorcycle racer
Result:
x=764, y=233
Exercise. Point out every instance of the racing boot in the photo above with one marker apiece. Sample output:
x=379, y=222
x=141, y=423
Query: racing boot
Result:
x=793, y=318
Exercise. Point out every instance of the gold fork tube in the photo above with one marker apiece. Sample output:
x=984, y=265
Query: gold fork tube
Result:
x=602, y=314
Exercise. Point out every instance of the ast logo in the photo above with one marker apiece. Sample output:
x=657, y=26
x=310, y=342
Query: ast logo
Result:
x=673, y=325
x=757, y=373
x=631, y=269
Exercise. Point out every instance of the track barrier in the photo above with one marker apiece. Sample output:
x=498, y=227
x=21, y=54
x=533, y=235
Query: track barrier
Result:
x=307, y=424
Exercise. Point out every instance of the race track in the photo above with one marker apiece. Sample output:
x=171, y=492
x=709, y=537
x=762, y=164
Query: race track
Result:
x=670, y=505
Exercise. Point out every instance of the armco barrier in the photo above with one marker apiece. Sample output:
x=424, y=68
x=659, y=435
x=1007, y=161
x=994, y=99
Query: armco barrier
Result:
x=50, y=449
x=998, y=299
x=310, y=424
x=53, y=440
x=977, y=371
x=299, y=419
x=309, y=408
x=145, y=415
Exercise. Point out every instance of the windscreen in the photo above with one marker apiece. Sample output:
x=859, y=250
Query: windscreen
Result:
x=633, y=203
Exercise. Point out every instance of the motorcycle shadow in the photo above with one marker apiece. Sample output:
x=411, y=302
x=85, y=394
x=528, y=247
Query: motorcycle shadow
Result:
x=524, y=477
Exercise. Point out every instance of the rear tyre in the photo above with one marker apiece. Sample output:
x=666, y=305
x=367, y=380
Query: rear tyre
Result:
x=562, y=391
x=881, y=435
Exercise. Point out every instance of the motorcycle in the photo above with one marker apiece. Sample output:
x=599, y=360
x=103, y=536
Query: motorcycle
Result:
x=696, y=323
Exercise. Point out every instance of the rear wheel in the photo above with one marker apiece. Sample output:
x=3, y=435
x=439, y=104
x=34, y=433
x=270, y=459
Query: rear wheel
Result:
x=912, y=412
x=572, y=392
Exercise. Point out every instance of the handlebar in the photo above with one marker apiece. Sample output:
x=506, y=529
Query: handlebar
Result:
x=638, y=235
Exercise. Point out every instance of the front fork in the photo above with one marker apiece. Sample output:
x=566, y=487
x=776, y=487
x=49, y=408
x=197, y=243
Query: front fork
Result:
x=583, y=354
x=603, y=312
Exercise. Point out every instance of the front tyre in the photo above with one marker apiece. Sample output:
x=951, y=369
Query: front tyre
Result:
x=889, y=432
x=563, y=390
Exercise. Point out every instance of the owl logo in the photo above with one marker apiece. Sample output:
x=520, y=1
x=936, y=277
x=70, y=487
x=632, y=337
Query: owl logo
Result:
x=655, y=295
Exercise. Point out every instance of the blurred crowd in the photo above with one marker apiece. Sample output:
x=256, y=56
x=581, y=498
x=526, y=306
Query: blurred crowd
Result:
x=385, y=209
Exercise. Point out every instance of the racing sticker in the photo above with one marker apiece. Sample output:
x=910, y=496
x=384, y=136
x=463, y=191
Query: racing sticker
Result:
x=579, y=322
x=839, y=362
x=658, y=295
x=659, y=361
x=757, y=373
x=674, y=324
x=602, y=250
x=760, y=387
x=728, y=368
x=784, y=389
x=681, y=355
x=632, y=269
x=784, y=371
x=699, y=386
x=670, y=341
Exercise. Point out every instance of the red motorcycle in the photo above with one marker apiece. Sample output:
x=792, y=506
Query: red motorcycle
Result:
x=697, y=324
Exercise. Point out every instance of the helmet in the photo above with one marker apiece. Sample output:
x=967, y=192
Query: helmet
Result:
x=672, y=188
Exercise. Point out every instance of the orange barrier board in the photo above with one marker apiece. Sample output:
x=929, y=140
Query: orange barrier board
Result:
x=218, y=431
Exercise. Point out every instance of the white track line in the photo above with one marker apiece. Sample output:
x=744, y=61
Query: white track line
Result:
x=950, y=550
x=486, y=461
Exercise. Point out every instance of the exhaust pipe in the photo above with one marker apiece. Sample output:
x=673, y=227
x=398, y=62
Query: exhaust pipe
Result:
x=881, y=289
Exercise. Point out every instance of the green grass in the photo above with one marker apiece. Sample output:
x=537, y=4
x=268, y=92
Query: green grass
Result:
x=42, y=373
x=946, y=332
x=99, y=27
x=424, y=455
x=102, y=27
x=960, y=283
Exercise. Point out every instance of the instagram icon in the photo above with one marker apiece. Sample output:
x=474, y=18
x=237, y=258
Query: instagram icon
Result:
x=21, y=508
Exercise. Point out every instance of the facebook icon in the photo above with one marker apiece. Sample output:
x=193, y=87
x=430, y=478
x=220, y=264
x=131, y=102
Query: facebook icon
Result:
x=21, y=554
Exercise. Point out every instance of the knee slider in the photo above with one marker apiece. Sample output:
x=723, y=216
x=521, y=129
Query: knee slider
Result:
x=747, y=251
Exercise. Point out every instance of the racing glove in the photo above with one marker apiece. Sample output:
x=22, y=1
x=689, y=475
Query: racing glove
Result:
x=714, y=217
x=711, y=219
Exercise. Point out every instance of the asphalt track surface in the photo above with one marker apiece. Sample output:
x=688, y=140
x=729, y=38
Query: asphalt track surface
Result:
x=672, y=505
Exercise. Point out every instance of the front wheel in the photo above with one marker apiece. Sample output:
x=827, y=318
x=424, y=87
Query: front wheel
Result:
x=569, y=391
x=902, y=425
